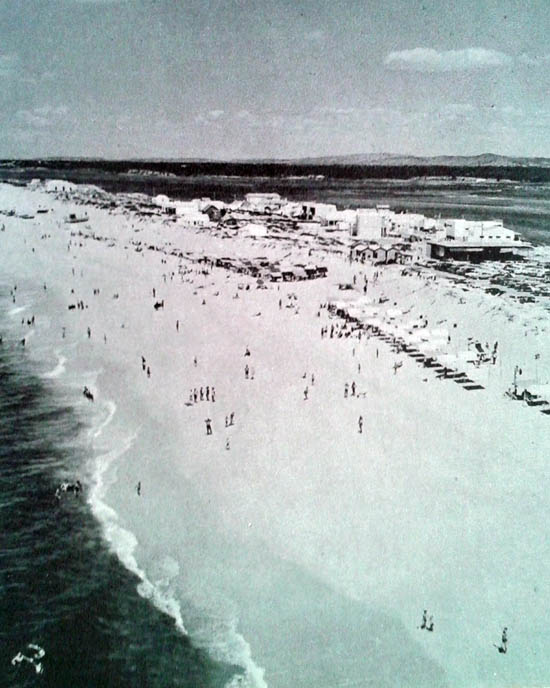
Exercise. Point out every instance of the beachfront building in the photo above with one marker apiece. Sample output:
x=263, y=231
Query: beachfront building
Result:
x=316, y=211
x=404, y=224
x=264, y=202
x=181, y=208
x=368, y=225
x=215, y=210
x=339, y=220
x=462, y=239
x=161, y=201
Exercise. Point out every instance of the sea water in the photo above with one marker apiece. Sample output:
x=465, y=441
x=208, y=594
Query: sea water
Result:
x=62, y=589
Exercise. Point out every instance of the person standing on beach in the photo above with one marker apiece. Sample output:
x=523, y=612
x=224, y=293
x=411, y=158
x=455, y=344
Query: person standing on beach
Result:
x=360, y=422
x=346, y=391
x=353, y=388
x=213, y=394
x=306, y=392
x=208, y=426
x=138, y=489
x=246, y=371
x=89, y=333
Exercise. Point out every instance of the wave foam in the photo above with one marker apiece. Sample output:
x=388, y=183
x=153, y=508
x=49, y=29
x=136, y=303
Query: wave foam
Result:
x=227, y=644
x=123, y=542
x=58, y=370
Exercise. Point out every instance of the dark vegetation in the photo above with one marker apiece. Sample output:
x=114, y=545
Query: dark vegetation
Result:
x=275, y=170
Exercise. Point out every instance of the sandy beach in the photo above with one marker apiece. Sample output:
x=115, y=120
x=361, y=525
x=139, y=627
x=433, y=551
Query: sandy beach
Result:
x=296, y=543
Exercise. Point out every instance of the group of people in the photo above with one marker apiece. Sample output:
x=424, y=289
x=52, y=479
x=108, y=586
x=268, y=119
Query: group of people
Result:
x=202, y=394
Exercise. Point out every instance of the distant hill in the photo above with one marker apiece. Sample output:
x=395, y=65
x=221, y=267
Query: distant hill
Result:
x=385, y=159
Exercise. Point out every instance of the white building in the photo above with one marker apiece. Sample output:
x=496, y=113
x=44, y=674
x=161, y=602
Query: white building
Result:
x=264, y=201
x=186, y=207
x=368, y=224
x=316, y=211
x=405, y=224
x=340, y=219
x=488, y=231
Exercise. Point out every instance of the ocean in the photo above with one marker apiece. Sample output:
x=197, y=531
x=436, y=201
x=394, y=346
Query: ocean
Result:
x=61, y=589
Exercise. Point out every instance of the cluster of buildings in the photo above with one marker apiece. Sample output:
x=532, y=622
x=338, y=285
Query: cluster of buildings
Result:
x=377, y=234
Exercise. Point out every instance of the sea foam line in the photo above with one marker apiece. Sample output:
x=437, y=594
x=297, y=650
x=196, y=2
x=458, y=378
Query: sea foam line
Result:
x=58, y=370
x=122, y=541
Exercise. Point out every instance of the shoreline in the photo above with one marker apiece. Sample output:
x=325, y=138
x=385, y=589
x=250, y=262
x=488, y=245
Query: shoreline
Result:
x=295, y=486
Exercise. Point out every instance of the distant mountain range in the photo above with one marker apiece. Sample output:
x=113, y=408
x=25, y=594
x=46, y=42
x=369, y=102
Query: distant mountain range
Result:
x=388, y=159
x=359, y=159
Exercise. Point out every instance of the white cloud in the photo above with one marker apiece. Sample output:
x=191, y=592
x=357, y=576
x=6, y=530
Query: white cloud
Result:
x=209, y=117
x=44, y=116
x=430, y=60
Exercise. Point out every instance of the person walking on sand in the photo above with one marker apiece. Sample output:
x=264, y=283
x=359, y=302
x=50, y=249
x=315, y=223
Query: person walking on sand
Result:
x=138, y=489
x=424, y=619
x=208, y=423
x=306, y=392
x=232, y=418
x=226, y=421
x=89, y=333
x=207, y=393
x=360, y=422
x=353, y=388
x=195, y=361
x=346, y=390
x=213, y=394
x=246, y=371
x=201, y=393
x=148, y=371
x=177, y=325
x=227, y=447
x=503, y=647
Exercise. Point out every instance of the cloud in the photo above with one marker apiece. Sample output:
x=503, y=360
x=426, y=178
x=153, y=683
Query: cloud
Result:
x=40, y=117
x=209, y=117
x=430, y=60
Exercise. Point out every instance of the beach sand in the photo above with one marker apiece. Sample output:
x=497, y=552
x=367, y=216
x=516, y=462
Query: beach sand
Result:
x=290, y=543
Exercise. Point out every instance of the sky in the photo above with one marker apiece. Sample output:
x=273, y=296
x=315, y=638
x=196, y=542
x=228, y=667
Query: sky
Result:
x=233, y=79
